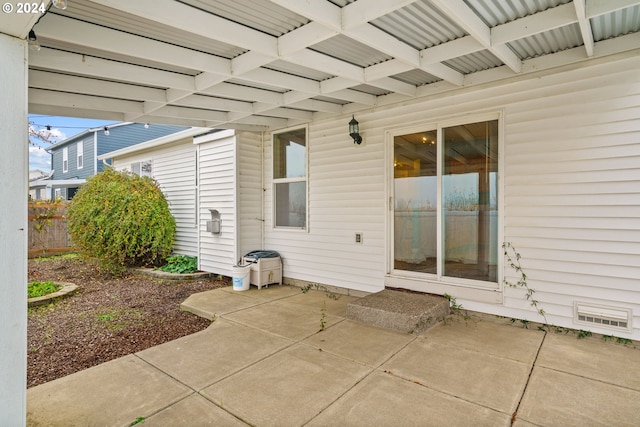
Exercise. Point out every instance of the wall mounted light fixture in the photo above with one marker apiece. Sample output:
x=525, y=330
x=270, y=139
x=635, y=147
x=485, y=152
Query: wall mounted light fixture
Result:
x=354, y=131
x=106, y=131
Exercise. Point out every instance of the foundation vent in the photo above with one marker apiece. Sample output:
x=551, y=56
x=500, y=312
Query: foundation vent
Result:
x=607, y=317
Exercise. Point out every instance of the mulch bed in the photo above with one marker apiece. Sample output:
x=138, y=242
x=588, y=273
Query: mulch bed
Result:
x=108, y=317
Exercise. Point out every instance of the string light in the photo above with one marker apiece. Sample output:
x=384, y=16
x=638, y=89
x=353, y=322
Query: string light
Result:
x=60, y=4
x=33, y=41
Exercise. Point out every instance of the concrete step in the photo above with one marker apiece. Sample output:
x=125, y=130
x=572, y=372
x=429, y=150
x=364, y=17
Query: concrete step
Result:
x=403, y=311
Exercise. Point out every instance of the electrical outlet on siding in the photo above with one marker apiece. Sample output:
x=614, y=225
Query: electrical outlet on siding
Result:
x=358, y=237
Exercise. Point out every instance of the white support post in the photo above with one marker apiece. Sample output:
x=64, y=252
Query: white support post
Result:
x=14, y=169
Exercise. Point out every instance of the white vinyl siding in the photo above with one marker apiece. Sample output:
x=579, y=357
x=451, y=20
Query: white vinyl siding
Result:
x=570, y=191
x=249, y=147
x=174, y=170
x=218, y=190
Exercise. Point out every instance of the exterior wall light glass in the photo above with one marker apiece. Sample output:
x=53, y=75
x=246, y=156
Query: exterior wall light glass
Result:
x=354, y=131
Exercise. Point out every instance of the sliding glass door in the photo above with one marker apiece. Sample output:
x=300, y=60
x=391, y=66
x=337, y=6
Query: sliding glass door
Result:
x=445, y=192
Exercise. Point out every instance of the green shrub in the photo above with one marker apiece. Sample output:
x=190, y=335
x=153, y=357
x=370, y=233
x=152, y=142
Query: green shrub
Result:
x=181, y=264
x=38, y=289
x=121, y=219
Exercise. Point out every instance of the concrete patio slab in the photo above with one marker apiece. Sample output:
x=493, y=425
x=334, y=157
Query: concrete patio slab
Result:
x=112, y=394
x=495, y=382
x=317, y=300
x=214, y=303
x=290, y=321
x=265, y=294
x=267, y=363
x=556, y=398
x=194, y=410
x=592, y=358
x=287, y=389
x=492, y=337
x=384, y=400
x=359, y=342
x=203, y=358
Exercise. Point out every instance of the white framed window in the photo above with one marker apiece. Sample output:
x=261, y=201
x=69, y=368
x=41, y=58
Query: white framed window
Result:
x=290, y=179
x=143, y=168
x=65, y=159
x=80, y=154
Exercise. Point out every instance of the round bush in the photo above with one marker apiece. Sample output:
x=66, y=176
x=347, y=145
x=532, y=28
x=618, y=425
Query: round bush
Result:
x=121, y=219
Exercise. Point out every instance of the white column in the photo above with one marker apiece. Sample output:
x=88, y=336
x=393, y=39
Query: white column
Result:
x=14, y=190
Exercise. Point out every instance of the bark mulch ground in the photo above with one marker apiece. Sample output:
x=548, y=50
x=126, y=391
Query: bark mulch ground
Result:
x=108, y=317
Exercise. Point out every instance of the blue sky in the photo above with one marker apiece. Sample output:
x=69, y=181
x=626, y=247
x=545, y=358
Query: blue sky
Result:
x=61, y=129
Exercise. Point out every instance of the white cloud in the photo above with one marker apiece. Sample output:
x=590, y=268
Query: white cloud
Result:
x=39, y=158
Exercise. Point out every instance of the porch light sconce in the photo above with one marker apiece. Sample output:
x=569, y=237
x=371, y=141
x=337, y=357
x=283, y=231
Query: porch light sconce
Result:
x=106, y=131
x=354, y=131
x=214, y=225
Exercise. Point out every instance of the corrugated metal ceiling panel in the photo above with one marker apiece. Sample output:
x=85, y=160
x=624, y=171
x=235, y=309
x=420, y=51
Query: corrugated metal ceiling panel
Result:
x=261, y=15
x=420, y=25
x=615, y=24
x=351, y=51
x=478, y=61
x=416, y=77
x=549, y=42
x=494, y=12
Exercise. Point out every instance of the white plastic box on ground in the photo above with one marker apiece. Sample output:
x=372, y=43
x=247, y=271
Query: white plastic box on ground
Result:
x=264, y=270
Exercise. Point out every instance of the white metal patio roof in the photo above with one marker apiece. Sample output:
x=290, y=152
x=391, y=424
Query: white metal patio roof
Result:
x=267, y=64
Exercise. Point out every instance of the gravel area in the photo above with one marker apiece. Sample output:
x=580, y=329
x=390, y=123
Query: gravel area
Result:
x=107, y=317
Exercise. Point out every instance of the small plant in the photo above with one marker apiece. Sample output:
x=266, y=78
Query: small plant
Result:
x=323, y=316
x=513, y=260
x=181, y=264
x=116, y=319
x=139, y=420
x=455, y=308
x=583, y=334
x=38, y=289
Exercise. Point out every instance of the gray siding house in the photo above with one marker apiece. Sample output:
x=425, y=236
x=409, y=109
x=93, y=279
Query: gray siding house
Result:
x=75, y=159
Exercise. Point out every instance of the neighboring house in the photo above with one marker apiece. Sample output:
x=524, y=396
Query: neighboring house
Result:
x=75, y=159
x=547, y=162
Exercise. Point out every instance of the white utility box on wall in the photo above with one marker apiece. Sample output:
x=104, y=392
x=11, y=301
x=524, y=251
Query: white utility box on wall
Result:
x=266, y=268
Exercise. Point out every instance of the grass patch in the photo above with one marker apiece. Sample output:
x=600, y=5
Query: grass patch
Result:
x=117, y=319
x=38, y=289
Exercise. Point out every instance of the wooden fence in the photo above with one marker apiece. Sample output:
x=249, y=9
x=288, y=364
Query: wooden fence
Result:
x=48, y=233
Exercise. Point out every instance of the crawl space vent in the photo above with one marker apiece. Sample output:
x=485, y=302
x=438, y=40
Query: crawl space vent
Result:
x=608, y=317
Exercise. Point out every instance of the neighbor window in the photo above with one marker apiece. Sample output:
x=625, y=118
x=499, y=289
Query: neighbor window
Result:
x=144, y=168
x=290, y=178
x=80, y=154
x=65, y=159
